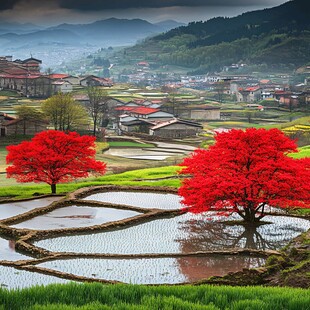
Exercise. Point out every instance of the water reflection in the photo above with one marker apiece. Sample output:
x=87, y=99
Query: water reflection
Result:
x=197, y=268
x=19, y=207
x=206, y=235
x=155, y=270
x=161, y=152
x=76, y=216
x=7, y=251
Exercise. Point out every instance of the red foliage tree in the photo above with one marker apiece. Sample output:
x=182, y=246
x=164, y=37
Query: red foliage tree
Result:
x=53, y=157
x=246, y=172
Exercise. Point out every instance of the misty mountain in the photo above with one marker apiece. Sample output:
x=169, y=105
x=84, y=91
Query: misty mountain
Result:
x=18, y=28
x=117, y=31
x=65, y=42
x=40, y=37
x=278, y=37
x=106, y=32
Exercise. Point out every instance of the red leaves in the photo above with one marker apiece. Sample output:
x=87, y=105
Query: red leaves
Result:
x=53, y=157
x=246, y=170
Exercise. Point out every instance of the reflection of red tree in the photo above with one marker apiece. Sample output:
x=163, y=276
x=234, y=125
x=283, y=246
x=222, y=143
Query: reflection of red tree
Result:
x=208, y=236
x=12, y=244
x=203, y=267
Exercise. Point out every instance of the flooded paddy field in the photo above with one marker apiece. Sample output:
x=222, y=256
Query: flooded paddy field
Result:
x=139, y=199
x=18, y=207
x=155, y=270
x=181, y=234
x=161, y=152
x=89, y=239
x=12, y=278
x=76, y=216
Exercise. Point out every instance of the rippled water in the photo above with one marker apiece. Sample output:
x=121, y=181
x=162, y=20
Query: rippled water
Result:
x=139, y=199
x=155, y=270
x=76, y=216
x=182, y=234
x=163, y=151
x=15, y=208
x=12, y=278
x=7, y=251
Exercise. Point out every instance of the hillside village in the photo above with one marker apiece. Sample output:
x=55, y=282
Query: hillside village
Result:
x=24, y=77
x=160, y=117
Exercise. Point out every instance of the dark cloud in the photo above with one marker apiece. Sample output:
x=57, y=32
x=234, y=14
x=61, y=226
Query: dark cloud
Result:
x=7, y=4
x=94, y=5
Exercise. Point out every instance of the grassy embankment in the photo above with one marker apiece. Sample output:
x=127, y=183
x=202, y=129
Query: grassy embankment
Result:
x=127, y=178
x=9, y=188
x=135, y=297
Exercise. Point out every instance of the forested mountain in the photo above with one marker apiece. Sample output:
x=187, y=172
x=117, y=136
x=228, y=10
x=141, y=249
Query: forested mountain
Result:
x=278, y=37
x=110, y=31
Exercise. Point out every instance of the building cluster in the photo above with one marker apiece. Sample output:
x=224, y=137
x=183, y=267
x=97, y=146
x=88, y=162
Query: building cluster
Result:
x=243, y=87
x=147, y=117
x=24, y=76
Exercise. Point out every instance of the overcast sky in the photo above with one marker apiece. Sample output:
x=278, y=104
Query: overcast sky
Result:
x=51, y=12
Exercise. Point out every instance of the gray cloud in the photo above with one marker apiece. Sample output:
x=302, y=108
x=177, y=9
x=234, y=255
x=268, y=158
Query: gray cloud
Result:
x=94, y=5
x=7, y=4
x=101, y=5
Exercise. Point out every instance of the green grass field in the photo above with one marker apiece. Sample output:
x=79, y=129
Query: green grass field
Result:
x=133, y=177
x=303, y=152
x=139, y=297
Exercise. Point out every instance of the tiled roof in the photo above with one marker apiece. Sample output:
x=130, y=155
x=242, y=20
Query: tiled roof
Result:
x=255, y=88
x=25, y=76
x=144, y=110
x=60, y=82
x=58, y=76
x=123, y=108
x=175, y=121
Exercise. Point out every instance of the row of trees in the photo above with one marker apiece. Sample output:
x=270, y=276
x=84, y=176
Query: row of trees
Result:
x=244, y=172
x=66, y=114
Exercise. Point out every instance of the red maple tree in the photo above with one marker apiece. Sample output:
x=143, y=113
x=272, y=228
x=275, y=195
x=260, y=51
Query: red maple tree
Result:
x=53, y=157
x=246, y=172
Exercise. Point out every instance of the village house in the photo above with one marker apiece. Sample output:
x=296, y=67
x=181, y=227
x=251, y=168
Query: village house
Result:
x=175, y=129
x=22, y=127
x=61, y=86
x=73, y=80
x=204, y=112
x=13, y=126
x=132, y=124
x=150, y=114
x=4, y=118
x=92, y=80
x=249, y=94
x=286, y=98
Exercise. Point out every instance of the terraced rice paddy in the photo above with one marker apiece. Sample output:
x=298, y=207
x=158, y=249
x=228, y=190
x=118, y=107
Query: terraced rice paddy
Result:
x=135, y=236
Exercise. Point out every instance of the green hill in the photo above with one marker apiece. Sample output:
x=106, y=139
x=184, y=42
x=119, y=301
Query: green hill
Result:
x=278, y=37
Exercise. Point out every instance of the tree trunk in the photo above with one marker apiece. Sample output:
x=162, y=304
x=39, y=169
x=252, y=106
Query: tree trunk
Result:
x=249, y=216
x=95, y=125
x=53, y=188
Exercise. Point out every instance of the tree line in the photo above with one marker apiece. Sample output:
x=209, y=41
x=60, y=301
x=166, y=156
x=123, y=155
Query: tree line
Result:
x=64, y=113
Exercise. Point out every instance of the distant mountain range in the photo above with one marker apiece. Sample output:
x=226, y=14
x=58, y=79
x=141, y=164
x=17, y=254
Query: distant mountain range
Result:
x=111, y=31
x=277, y=37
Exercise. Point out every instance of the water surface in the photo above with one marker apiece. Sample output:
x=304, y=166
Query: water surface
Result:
x=19, y=207
x=182, y=234
x=155, y=270
x=139, y=199
x=76, y=216
x=12, y=278
x=7, y=251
